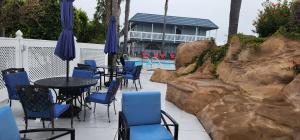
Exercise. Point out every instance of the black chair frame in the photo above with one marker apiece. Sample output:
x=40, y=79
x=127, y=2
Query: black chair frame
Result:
x=124, y=130
x=65, y=130
x=112, y=99
x=41, y=91
x=136, y=77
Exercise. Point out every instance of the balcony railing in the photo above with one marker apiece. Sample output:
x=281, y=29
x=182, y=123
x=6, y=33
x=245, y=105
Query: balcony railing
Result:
x=168, y=37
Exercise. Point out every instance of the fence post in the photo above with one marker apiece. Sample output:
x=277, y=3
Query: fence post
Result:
x=76, y=60
x=19, y=49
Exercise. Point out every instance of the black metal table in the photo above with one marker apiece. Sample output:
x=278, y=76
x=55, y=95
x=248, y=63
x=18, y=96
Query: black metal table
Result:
x=74, y=84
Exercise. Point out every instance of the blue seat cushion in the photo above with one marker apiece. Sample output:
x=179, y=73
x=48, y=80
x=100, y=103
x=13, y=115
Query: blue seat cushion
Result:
x=150, y=132
x=141, y=108
x=97, y=97
x=58, y=110
x=8, y=127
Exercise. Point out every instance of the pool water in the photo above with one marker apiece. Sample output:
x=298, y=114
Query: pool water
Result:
x=150, y=65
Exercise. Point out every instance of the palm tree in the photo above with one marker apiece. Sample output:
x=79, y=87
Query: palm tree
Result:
x=297, y=11
x=234, y=17
x=126, y=24
x=164, y=28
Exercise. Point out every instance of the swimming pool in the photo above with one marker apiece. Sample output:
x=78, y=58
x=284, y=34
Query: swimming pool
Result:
x=153, y=64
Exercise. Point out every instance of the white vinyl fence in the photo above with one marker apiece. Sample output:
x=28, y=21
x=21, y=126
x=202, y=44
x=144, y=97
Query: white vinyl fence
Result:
x=38, y=59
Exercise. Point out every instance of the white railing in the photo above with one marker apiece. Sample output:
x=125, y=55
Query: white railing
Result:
x=168, y=37
x=38, y=59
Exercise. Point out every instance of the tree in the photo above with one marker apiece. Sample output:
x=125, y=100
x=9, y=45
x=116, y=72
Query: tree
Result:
x=297, y=11
x=164, y=28
x=234, y=17
x=126, y=25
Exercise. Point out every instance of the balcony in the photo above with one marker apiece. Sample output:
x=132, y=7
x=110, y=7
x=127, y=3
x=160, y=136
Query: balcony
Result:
x=152, y=36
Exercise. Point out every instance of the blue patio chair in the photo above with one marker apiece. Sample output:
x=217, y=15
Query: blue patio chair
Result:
x=81, y=72
x=98, y=74
x=135, y=75
x=104, y=97
x=10, y=131
x=128, y=67
x=13, y=77
x=141, y=118
x=37, y=102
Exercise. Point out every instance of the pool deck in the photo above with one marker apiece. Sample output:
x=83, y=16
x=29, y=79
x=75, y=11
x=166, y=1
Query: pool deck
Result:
x=97, y=126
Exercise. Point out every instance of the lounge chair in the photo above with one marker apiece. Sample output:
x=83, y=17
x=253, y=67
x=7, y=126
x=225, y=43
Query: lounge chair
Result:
x=172, y=56
x=162, y=56
x=155, y=55
x=141, y=118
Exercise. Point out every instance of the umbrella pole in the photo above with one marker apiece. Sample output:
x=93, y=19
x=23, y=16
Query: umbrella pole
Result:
x=67, y=70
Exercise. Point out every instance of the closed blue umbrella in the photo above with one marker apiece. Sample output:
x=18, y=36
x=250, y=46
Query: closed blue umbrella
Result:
x=65, y=48
x=111, y=42
x=111, y=37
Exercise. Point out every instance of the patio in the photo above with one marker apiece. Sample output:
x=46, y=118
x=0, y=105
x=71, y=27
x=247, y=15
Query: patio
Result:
x=97, y=125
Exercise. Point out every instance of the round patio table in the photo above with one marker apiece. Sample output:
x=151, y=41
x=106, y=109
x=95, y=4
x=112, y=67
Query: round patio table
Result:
x=71, y=88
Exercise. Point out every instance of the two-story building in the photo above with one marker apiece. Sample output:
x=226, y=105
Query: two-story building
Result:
x=145, y=32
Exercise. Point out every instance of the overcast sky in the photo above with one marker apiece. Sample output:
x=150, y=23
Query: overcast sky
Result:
x=215, y=10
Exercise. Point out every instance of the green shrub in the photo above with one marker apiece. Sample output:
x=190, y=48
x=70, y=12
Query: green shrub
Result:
x=216, y=55
x=273, y=16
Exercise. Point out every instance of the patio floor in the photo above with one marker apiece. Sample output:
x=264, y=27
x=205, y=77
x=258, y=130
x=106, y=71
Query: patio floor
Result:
x=97, y=126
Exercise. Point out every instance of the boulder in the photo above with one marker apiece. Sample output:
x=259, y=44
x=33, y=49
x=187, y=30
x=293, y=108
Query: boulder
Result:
x=186, y=53
x=264, y=73
x=292, y=92
x=186, y=70
x=162, y=76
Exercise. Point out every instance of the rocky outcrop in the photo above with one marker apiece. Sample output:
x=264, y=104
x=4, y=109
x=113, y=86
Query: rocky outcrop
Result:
x=256, y=95
x=162, y=76
x=264, y=73
x=186, y=53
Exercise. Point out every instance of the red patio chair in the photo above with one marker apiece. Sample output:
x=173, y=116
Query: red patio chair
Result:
x=144, y=55
x=155, y=55
x=162, y=56
x=172, y=56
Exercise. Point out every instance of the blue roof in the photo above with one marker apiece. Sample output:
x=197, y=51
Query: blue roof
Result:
x=173, y=20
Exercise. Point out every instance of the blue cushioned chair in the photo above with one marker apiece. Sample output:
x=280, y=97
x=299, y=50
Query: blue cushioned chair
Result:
x=135, y=75
x=140, y=118
x=38, y=103
x=81, y=72
x=10, y=131
x=98, y=73
x=13, y=77
x=104, y=97
x=128, y=67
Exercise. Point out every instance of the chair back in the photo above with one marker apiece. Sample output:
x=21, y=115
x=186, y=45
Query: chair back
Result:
x=129, y=66
x=112, y=90
x=141, y=108
x=13, y=77
x=8, y=127
x=92, y=63
x=137, y=71
x=83, y=72
x=37, y=102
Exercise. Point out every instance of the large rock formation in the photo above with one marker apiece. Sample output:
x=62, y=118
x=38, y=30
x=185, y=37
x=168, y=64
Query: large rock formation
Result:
x=256, y=95
x=162, y=76
x=187, y=52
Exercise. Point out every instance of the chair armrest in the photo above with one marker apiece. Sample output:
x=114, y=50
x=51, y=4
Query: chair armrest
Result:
x=175, y=124
x=123, y=130
x=65, y=130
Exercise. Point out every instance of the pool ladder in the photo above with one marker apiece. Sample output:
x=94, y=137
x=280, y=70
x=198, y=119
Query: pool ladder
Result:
x=150, y=60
